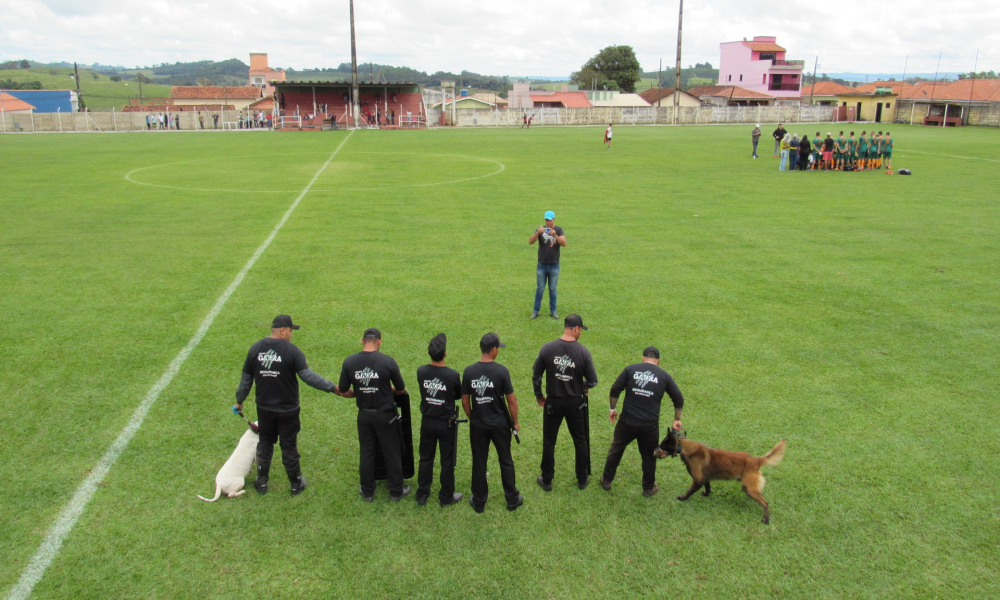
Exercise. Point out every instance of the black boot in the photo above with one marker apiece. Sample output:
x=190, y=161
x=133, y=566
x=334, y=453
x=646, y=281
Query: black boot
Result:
x=260, y=484
x=298, y=482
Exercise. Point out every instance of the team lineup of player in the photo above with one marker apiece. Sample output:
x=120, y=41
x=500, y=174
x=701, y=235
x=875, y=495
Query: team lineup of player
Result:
x=864, y=153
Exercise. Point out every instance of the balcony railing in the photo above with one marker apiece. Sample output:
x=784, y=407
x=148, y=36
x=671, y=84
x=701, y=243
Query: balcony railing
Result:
x=788, y=63
x=783, y=87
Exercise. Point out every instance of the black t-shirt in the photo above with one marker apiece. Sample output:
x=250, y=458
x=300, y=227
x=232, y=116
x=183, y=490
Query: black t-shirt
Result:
x=566, y=365
x=548, y=246
x=487, y=385
x=828, y=145
x=779, y=133
x=804, y=146
x=274, y=364
x=439, y=388
x=372, y=374
x=644, y=385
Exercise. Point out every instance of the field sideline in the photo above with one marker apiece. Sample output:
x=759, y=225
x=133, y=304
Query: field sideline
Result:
x=853, y=314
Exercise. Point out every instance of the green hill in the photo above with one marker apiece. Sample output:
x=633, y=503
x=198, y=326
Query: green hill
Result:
x=98, y=94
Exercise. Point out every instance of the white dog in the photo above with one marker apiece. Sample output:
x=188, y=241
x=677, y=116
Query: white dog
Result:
x=230, y=479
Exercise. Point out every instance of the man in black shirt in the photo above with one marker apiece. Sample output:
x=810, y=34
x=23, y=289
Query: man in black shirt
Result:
x=372, y=379
x=644, y=385
x=273, y=364
x=778, y=135
x=552, y=239
x=489, y=401
x=566, y=363
x=440, y=386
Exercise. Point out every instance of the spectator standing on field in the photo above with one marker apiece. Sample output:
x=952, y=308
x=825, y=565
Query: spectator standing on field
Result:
x=607, y=136
x=215, y=120
x=793, y=152
x=274, y=365
x=778, y=135
x=755, y=138
x=783, y=149
x=569, y=373
x=804, y=149
x=550, y=239
x=201, y=120
x=644, y=384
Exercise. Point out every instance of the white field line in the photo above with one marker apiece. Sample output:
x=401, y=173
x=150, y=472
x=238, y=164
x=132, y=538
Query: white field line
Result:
x=53, y=541
x=128, y=177
x=948, y=155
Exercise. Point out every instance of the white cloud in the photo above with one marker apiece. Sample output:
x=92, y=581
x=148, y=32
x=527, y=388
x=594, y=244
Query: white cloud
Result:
x=517, y=37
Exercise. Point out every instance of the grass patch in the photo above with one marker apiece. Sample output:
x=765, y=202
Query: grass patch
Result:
x=853, y=314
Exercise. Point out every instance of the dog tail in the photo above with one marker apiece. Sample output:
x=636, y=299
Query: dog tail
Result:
x=218, y=492
x=774, y=456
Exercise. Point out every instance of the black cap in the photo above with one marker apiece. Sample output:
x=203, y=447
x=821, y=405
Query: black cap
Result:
x=283, y=321
x=371, y=332
x=489, y=342
x=437, y=345
x=651, y=352
x=574, y=321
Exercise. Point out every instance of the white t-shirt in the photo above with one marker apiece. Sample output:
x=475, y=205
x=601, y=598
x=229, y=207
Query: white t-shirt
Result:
x=607, y=133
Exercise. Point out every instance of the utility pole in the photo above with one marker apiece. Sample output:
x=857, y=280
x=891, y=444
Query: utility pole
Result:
x=813, y=92
x=355, y=109
x=659, y=83
x=79, y=96
x=677, y=71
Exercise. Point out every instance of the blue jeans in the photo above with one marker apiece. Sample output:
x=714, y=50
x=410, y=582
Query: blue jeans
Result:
x=793, y=159
x=784, y=161
x=550, y=272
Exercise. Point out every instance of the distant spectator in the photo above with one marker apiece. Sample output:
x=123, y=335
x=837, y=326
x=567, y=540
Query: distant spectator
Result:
x=149, y=122
x=201, y=120
x=215, y=120
x=793, y=152
x=778, y=135
x=783, y=147
x=524, y=120
x=804, y=150
x=755, y=137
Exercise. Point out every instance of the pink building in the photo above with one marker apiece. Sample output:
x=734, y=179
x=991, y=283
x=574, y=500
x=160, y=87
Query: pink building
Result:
x=760, y=66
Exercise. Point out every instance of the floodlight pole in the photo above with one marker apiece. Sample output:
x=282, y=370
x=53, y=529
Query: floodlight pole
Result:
x=677, y=71
x=355, y=109
x=813, y=91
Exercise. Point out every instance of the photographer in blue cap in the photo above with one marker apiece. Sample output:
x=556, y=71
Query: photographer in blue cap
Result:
x=550, y=239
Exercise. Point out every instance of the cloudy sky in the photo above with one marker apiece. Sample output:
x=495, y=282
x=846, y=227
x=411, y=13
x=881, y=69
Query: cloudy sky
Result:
x=509, y=37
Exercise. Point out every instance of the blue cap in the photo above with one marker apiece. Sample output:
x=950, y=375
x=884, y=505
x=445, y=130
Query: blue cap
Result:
x=549, y=215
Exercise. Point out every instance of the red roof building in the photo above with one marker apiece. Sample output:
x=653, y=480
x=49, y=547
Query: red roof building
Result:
x=730, y=95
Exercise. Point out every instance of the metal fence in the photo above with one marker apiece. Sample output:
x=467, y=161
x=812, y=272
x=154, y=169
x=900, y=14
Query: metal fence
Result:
x=687, y=115
x=105, y=121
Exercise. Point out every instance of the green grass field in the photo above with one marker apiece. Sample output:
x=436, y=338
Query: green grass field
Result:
x=853, y=314
x=99, y=93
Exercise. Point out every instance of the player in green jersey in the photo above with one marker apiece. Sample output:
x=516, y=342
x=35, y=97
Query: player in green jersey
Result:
x=817, y=145
x=875, y=149
x=840, y=152
x=887, y=151
x=863, y=151
x=852, y=150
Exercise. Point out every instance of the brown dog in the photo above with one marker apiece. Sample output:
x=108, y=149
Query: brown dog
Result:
x=706, y=464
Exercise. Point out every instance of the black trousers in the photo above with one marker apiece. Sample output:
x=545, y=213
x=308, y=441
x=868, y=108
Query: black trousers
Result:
x=557, y=409
x=479, y=440
x=647, y=436
x=434, y=433
x=376, y=429
x=275, y=426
